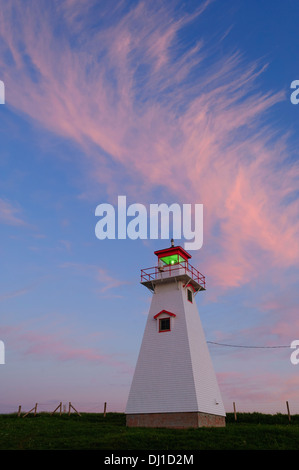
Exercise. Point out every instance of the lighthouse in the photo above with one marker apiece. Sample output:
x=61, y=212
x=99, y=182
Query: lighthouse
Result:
x=174, y=384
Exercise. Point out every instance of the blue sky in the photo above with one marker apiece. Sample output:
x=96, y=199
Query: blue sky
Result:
x=161, y=102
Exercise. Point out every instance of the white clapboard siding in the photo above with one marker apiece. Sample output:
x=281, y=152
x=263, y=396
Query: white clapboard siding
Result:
x=174, y=371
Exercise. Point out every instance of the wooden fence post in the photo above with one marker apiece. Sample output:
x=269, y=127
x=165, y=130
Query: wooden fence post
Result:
x=235, y=413
x=71, y=406
x=289, y=416
x=19, y=410
x=105, y=406
x=34, y=408
x=59, y=406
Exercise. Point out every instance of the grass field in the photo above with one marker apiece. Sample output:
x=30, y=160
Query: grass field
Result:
x=252, y=431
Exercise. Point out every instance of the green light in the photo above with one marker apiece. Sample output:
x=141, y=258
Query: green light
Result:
x=172, y=259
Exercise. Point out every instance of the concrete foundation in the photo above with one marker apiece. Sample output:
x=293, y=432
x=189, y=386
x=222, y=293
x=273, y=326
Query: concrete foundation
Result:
x=175, y=420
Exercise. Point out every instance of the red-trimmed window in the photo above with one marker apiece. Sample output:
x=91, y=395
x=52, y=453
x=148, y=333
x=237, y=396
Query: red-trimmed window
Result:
x=164, y=321
x=164, y=324
x=189, y=295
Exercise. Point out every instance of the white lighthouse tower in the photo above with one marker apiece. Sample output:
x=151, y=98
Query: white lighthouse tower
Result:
x=174, y=384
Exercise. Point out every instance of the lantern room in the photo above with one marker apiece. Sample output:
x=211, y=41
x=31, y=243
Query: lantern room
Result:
x=173, y=263
x=172, y=255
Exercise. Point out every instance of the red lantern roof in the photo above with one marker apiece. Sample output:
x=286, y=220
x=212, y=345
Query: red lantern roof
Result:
x=173, y=250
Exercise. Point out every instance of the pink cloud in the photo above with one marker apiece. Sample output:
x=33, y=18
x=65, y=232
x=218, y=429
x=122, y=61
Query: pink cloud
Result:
x=19, y=292
x=57, y=344
x=12, y=294
x=267, y=392
x=10, y=214
x=216, y=150
x=282, y=315
x=105, y=280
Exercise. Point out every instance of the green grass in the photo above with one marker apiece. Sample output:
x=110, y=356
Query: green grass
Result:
x=93, y=431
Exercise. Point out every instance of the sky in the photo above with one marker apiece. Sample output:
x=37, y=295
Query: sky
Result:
x=161, y=102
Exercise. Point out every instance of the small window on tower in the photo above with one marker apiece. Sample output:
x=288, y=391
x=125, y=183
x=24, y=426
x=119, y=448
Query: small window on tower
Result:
x=189, y=294
x=164, y=324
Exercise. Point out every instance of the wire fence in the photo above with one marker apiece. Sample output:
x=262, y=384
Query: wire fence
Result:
x=290, y=407
x=274, y=407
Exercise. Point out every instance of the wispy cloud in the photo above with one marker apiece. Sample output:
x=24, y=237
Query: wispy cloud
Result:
x=149, y=115
x=54, y=342
x=101, y=276
x=19, y=292
x=265, y=392
x=11, y=214
x=15, y=293
x=282, y=315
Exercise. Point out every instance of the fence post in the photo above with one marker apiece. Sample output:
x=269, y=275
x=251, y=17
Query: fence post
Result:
x=289, y=416
x=71, y=406
x=105, y=406
x=34, y=408
x=59, y=406
x=235, y=413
